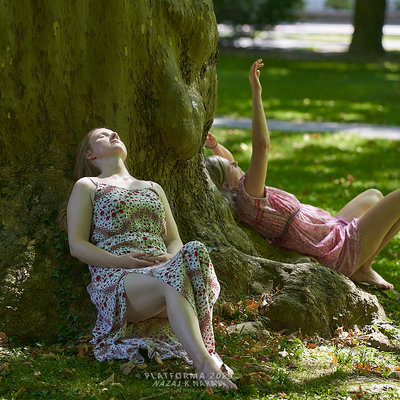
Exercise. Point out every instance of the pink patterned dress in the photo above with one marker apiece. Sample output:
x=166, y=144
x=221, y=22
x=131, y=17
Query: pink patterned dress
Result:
x=284, y=222
x=129, y=221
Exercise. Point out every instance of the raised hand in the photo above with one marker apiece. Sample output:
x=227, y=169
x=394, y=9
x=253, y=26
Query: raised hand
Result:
x=211, y=141
x=255, y=75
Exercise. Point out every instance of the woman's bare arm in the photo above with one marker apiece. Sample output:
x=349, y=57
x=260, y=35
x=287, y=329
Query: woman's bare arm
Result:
x=257, y=173
x=218, y=149
x=79, y=217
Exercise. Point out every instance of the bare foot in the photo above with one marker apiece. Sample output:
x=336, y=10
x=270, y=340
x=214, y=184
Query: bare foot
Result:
x=368, y=275
x=223, y=367
x=211, y=374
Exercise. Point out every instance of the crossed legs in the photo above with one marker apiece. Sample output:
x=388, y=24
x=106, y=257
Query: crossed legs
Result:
x=148, y=297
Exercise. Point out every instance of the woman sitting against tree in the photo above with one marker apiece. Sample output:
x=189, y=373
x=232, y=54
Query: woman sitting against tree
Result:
x=141, y=273
x=347, y=242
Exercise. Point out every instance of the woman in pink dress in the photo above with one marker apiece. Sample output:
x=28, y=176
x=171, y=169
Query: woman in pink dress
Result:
x=347, y=242
x=145, y=282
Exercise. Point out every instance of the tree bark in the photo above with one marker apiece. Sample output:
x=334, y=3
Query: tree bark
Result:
x=147, y=70
x=369, y=18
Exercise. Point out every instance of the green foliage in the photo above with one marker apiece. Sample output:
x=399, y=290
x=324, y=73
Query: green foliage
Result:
x=256, y=12
x=339, y=4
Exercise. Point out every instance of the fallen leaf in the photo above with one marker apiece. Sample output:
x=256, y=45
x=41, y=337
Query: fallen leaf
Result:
x=312, y=345
x=283, y=353
x=127, y=367
x=4, y=366
x=334, y=360
x=282, y=394
x=158, y=359
x=209, y=390
x=27, y=363
x=37, y=373
x=3, y=338
x=251, y=304
x=256, y=348
x=82, y=350
x=20, y=391
x=108, y=381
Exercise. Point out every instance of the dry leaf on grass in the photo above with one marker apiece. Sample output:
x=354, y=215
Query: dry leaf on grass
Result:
x=127, y=367
x=108, y=381
x=158, y=360
x=3, y=338
x=334, y=359
x=20, y=391
x=4, y=366
x=209, y=390
x=83, y=349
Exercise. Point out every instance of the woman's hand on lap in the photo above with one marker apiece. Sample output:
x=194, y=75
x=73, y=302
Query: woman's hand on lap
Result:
x=160, y=258
x=133, y=260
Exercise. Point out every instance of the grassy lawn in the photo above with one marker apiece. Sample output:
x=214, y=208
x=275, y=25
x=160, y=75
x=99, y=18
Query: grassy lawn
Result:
x=326, y=170
x=321, y=90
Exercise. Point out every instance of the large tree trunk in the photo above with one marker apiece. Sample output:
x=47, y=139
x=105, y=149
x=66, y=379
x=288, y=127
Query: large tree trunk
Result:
x=369, y=18
x=146, y=69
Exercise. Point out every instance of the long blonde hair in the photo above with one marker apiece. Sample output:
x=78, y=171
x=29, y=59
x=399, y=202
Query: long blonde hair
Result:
x=216, y=170
x=83, y=167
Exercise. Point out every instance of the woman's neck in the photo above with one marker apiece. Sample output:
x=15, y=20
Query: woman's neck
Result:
x=114, y=169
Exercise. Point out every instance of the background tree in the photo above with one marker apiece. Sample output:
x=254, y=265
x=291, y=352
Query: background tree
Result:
x=369, y=19
x=147, y=70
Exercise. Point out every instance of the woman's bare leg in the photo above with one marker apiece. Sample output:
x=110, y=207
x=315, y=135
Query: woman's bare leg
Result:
x=359, y=275
x=147, y=297
x=377, y=226
x=360, y=204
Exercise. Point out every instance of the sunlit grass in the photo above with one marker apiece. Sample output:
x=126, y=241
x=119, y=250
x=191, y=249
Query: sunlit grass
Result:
x=313, y=90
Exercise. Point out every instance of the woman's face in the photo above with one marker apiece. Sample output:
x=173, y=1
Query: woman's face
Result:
x=233, y=173
x=105, y=143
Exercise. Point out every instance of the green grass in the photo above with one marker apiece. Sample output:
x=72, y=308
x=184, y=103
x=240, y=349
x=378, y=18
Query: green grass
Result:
x=326, y=170
x=320, y=90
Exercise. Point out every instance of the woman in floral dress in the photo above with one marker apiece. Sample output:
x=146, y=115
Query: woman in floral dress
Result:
x=144, y=280
x=347, y=242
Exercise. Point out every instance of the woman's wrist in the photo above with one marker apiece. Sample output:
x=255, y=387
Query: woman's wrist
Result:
x=212, y=148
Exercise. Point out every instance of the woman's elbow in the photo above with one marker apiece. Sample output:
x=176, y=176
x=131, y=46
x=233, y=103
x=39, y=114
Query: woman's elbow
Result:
x=74, y=249
x=262, y=145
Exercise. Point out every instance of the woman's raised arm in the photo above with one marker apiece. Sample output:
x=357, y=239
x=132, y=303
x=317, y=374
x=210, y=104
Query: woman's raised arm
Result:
x=218, y=149
x=257, y=173
x=79, y=217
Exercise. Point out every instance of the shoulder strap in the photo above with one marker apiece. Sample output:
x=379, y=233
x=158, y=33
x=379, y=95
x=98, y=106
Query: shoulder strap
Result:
x=96, y=183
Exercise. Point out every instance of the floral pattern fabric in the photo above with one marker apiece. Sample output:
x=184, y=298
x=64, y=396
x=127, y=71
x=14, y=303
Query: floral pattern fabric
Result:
x=133, y=220
x=284, y=222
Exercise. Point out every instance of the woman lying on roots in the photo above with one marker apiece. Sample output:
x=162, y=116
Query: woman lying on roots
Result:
x=347, y=242
x=144, y=281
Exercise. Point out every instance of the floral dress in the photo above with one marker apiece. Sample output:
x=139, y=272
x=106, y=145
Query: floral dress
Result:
x=129, y=221
x=284, y=222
